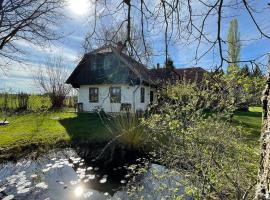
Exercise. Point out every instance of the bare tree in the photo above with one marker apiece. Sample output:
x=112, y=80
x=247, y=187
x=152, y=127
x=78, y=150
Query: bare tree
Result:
x=115, y=33
x=29, y=21
x=180, y=20
x=51, y=80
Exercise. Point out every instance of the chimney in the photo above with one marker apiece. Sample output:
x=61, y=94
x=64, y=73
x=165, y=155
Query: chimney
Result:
x=158, y=66
x=120, y=46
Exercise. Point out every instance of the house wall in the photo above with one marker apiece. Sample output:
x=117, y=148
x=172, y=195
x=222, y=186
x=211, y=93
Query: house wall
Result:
x=129, y=94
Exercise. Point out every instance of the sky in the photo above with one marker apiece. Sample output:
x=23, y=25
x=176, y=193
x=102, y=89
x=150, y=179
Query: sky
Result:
x=20, y=76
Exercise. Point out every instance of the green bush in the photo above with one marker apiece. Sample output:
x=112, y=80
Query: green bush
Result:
x=205, y=148
x=38, y=103
x=209, y=153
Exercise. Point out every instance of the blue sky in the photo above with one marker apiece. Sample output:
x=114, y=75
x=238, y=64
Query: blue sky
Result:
x=19, y=77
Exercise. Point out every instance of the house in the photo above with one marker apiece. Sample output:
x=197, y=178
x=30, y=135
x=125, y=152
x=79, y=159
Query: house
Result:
x=108, y=79
x=191, y=74
x=163, y=76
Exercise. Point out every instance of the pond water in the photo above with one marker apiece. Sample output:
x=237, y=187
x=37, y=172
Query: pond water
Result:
x=63, y=175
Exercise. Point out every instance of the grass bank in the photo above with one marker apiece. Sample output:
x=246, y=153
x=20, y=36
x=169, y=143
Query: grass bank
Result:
x=31, y=131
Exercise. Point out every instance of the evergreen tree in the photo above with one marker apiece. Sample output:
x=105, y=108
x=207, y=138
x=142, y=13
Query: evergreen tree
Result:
x=257, y=72
x=233, y=46
x=245, y=71
x=169, y=64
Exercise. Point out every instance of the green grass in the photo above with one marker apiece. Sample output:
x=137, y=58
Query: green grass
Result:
x=251, y=121
x=25, y=129
x=32, y=129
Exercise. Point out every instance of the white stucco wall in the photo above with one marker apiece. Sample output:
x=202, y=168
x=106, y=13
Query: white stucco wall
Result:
x=129, y=94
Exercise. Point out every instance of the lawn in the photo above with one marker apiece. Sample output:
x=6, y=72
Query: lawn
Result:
x=251, y=122
x=54, y=128
x=51, y=128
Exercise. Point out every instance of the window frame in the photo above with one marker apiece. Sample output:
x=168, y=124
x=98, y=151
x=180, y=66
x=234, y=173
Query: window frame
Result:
x=142, y=95
x=96, y=94
x=118, y=98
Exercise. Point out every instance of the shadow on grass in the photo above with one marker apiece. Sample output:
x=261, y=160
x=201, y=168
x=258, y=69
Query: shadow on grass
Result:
x=86, y=126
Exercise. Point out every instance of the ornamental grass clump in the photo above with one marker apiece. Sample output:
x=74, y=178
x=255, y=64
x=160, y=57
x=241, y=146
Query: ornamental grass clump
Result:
x=129, y=130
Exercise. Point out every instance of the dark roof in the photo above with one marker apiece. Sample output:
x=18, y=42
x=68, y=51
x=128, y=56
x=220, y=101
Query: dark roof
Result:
x=141, y=69
x=191, y=74
x=108, y=65
x=164, y=75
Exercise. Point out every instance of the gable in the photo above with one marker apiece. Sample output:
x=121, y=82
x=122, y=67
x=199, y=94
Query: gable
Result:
x=102, y=68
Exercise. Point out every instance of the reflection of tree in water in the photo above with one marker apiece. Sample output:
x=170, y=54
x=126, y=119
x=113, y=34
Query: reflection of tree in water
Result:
x=105, y=176
x=60, y=173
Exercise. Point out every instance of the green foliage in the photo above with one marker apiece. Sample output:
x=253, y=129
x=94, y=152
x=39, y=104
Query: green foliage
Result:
x=233, y=46
x=205, y=147
x=39, y=103
x=236, y=90
x=208, y=152
x=10, y=101
x=245, y=71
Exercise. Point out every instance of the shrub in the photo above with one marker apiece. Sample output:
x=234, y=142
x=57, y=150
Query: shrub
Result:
x=205, y=148
x=22, y=101
x=39, y=103
x=209, y=153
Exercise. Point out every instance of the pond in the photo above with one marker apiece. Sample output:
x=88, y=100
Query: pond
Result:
x=63, y=174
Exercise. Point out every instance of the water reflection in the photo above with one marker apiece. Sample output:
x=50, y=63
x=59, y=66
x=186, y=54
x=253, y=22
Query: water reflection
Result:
x=60, y=175
x=78, y=191
x=64, y=175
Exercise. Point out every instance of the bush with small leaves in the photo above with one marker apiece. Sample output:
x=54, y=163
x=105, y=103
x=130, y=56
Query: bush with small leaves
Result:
x=38, y=103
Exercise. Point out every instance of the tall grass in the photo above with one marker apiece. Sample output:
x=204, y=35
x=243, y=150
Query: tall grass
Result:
x=129, y=130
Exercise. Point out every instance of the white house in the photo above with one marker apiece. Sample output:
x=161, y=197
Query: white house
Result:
x=110, y=80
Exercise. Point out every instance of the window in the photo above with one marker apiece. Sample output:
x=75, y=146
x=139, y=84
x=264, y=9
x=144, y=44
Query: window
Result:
x=142, y=94
x=115, y=94
x=93, y=95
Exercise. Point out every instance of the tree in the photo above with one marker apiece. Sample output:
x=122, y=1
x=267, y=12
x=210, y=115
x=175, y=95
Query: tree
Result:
x=178, y=21
x=30, y=21
x=169, y=63
x=115, y=34
x=257, y=71
x=51, y=80
x=233, y=46
x=245, y=71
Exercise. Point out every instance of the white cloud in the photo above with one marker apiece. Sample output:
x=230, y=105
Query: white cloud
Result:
x=50, y=50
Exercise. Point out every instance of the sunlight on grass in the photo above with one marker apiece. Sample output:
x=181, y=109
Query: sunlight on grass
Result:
x=251, y=121
x=53, y=127
x=255, y=109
